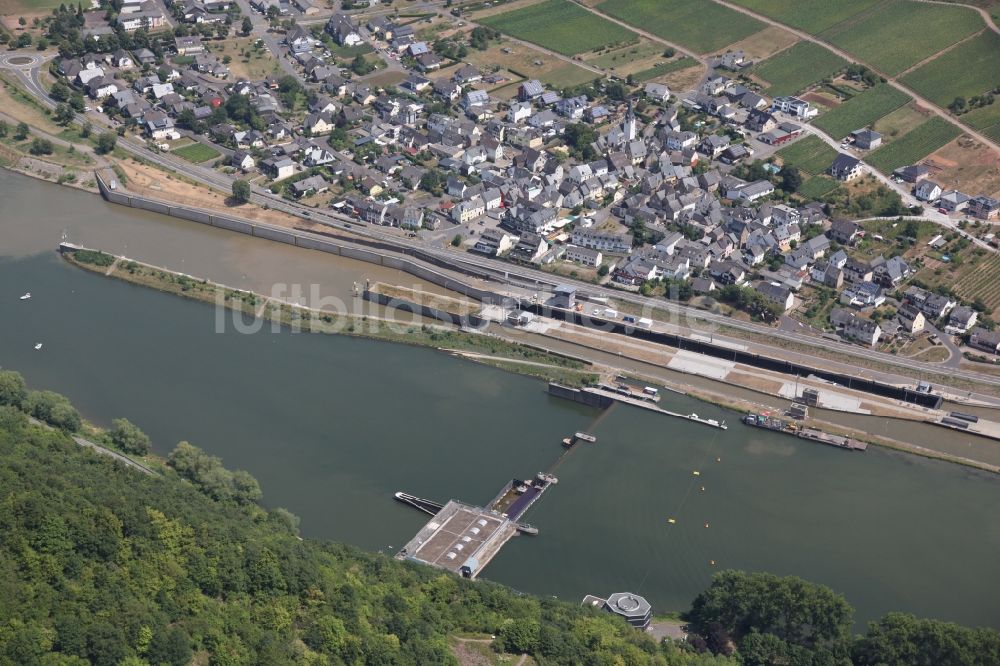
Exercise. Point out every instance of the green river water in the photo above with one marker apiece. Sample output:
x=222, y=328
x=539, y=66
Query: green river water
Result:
x=332, y=426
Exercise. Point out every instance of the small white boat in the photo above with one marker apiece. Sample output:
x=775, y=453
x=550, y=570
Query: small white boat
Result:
x=38, y=346
x=26, y=296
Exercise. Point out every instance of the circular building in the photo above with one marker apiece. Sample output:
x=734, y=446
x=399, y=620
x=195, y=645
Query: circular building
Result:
x=635, y=609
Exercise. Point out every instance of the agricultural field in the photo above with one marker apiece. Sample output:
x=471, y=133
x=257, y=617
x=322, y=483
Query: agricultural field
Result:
x=798, y=67
x=861, y=110
x=560, y=26
x=969, y=69
x=701, y=26
x=810, y=155
x=913, y=146
x=665, y=68
x=196, y=152
x=986, y=119
x=901, y=33
x=812, y=16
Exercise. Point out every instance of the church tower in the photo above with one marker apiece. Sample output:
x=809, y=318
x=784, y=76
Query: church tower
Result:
x=629, y=127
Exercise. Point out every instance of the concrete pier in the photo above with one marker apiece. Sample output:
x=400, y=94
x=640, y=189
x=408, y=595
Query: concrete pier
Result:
x=460, y=538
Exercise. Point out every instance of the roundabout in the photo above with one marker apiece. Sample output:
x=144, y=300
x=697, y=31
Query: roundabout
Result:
x=21, y=60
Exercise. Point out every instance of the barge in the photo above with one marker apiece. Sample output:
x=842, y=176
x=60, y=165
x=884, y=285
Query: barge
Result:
x=769, y=422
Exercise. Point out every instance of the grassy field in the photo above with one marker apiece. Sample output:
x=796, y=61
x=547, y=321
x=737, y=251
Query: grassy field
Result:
x=196, y=152
x=901, y=121
x=765, y=43
x=816, y=187
x=809, y=154
x=699, y=25
x=619, y=58
x=861, y=110
x=798, y=67
x=520, y=64
x=23, y=7
x=665, y=68
x=813, y=16
x=561, y=26
x=969, y=69
x=901, y=33
x=986, y=119
x=913, y=146
x=245, y=62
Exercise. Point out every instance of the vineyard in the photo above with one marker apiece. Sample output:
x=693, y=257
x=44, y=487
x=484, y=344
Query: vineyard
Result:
x=798, y=67
x=913, y=146
x=561, y=26
x=900, y=33
x=695, y=24
x=861, y=110
x=980, y=279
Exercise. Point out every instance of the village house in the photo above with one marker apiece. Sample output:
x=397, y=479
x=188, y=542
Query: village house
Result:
x=985, y=340
x=845, y=167
x=854, y=327
x=584, y=255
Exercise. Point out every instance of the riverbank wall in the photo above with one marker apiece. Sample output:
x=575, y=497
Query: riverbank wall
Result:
x=381, y=254
x=422, y=266
x=463, y=321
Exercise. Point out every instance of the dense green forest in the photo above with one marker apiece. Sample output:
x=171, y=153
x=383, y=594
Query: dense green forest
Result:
x=101, y=564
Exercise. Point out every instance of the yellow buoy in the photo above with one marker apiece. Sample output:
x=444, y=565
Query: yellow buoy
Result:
x=671, y=521
x=718, y=460
x=706, y=524
x=712, y=562
x=703, y=489
x=697, y=473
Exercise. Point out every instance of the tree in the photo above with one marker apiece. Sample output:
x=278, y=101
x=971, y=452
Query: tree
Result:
x=64, y=114
x=172, y=646
x=60, y=92
x=669, y=53
x=520, y=635
x=246, y=27
x=795, y=611
x=23, y=41
x=791, y=179
x=40, y=146
x=4, y=129
x=128, y=437
x=52, y=408
x=432, y=182
x=21, y=21
x=22, y=131
x=241, y=191
x=12, y=388
x=580, y=137
x=360, y=66
x=106, y=142
x=457, y=240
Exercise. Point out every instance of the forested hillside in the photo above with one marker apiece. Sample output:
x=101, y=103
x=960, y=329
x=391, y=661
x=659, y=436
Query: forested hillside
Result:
x=101, y=564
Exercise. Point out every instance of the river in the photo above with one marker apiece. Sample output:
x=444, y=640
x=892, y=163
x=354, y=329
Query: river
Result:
x=332, y=426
